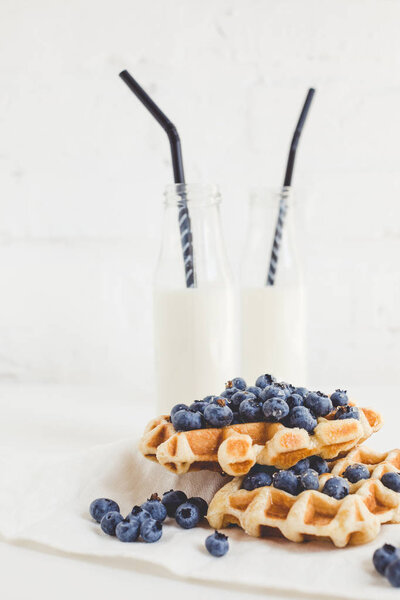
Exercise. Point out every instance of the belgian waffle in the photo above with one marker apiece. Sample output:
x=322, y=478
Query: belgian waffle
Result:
x=356, y=519
x=236, y=448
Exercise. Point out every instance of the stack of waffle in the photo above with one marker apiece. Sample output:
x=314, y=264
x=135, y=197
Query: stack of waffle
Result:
x=264, y=511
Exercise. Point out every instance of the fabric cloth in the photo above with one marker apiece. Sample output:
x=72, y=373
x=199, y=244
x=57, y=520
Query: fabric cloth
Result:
x=45, y=499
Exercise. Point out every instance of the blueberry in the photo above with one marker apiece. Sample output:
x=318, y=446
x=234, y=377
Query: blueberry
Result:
x=187, y=515
x=185, y=420
x=301, y=391
x=339, y=398
x=228, y=393
x=319, y=404
x=155, y=507
x=172, y=500
x=128, y=531
x=207, y=399
x=275, y=409
x=151, y=530
x=294, y=400
x=273, y=391
x=347, y=412
x=392, y=573
x=237, y=382
x=300, y=466
x=391, y=481
x=239, y=397
x=218, y=415
x=286, y=481
x=110, y=521
x=251, y=411
x=336, y=487
x=256, y=391
x=263, y=469
x=217, y=544
x=199, y=405
x=301, y=417
x=255, y=480
x=237, y=419
x=139, y=513
x=201, y=505
x=318, y=464
x=177, y=407
x=356, y=472
x=382, y=557
x=101, y=506
x=309, y=480
x=265, y=380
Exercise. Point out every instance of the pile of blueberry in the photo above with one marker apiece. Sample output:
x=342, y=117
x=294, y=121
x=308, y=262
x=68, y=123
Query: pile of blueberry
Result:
x=304, y=475
x=267, y=401
x=146, y=521
x=387, y=562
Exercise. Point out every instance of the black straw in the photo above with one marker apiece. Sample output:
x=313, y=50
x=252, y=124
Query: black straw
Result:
x=296, y=137
x=177, y=164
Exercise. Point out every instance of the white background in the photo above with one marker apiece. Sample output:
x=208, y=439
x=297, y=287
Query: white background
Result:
x=83, y=167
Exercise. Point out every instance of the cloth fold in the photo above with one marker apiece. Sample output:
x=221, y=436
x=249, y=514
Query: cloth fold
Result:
x=45, y=499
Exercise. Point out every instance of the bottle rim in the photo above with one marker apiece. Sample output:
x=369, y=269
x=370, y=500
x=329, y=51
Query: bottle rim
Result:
x=192, y=194
x=271, y=195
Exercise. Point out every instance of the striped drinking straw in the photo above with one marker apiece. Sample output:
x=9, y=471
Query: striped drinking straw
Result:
x=179, y=176
x=280, y=222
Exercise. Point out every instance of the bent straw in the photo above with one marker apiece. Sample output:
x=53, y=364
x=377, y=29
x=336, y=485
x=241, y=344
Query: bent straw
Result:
x=273, y=263
x=177, y=164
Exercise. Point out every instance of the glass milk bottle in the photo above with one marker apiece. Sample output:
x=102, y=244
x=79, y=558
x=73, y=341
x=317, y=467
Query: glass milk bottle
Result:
x=196, y=345
x=273, y=316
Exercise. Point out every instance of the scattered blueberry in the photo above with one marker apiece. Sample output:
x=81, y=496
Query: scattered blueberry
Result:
x=199, y=405
x=339, y=398
x=336, y=487
x=265, y=380
x=201, y=505
x=110, y=521
x=273, y=391
x=391, y=481
x=300, y=466
x=294, y=400
x=155, y=507
x=217, y=544
x=382, y=557
x=238, y=382
x=356, y=472
x=251, y=411
x=187, y=515
x=172, y=500
x=309, y=480
x=228, y=393
x=239, y=397
x=128, y=531
x=177, y=407
x=254, y=390
x=392, y=573
x=301, y=417
x=256, y=480
x=139, y=513
x=151, y=530
x=101, y=506
x=319, y=404
x=263, y=469
x=236, y=419
x=218, y=415
x=301, y=391
x=318, y=464
x=275, y=409
x=185, y=420
x=286, y=481
x=347, y=412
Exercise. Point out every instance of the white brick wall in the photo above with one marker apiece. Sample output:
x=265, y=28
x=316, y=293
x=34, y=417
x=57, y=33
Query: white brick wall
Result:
x=82, y=169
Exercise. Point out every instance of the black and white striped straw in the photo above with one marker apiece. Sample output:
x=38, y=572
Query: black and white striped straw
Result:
x=179, y=176
x=283, y=202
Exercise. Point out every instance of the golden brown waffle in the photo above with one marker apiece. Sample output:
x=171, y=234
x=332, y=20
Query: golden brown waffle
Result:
x=356, y=519
x=236, y=448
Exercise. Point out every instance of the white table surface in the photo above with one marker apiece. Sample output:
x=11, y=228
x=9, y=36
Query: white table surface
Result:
x=58, y=418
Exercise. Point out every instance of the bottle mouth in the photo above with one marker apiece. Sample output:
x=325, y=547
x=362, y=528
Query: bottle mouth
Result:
x=271, y=196
x=200, y=194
